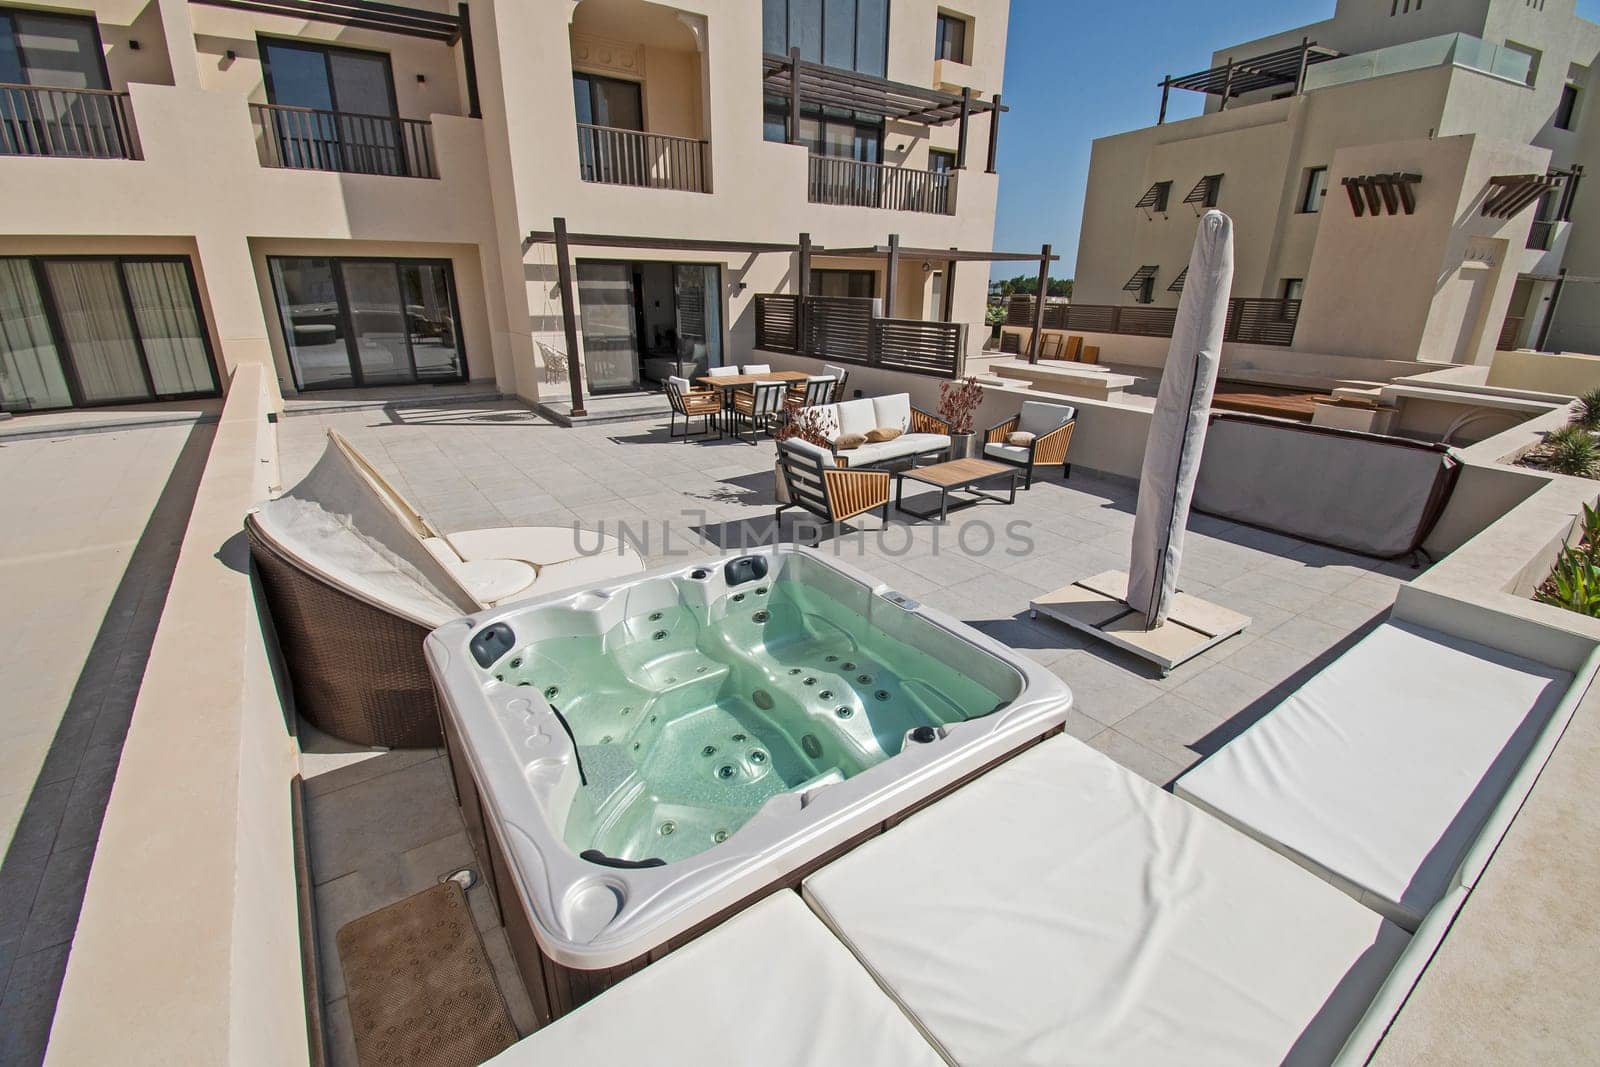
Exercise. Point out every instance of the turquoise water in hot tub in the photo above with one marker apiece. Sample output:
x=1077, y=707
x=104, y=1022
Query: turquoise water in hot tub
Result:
x=686, y=727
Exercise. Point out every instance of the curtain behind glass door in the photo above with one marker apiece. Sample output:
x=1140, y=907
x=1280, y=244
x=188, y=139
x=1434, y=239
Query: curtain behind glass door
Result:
x=94, y=323
x=31, y=375
x=610, y=350
x=698, y=292
x=169, y=326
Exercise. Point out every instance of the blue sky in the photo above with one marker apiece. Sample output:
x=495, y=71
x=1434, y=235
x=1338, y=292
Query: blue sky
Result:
x=1077, y=70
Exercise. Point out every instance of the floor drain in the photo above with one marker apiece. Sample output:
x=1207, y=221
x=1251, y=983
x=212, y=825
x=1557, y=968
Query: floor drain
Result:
x=466, y=878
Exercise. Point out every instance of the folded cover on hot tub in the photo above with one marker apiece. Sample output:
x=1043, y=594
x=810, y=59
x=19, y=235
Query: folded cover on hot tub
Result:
x=1380, y=771
x=1060, y=909
x=771, y=986
x=1379, y=496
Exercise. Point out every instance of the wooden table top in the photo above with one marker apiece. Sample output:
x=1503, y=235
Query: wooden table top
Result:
x=728, y=380
x=957, y=472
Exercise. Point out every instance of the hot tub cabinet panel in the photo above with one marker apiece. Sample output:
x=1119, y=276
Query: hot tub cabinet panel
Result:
x=775, y=753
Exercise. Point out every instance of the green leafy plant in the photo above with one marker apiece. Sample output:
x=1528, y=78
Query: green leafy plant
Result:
x=1572, y=450
x=1574, y=584
x=1591, y=533
x=1588, y=414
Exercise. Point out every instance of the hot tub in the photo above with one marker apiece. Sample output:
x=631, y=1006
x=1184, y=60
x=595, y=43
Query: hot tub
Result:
x=637, y=761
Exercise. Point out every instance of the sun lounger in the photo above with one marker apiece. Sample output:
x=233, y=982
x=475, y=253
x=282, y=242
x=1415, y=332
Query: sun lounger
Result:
x=1379, y=773
x=1060, y=909
x=771, y=986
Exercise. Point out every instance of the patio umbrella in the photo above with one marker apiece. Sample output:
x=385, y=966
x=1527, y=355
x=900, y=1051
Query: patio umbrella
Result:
x=1178, y=428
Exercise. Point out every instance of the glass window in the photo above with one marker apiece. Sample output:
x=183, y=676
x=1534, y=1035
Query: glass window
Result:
x=329, y=79
x=852, y=283
x=1294, y=288
x=169, y=326
x=93, y=314
x=57, y=50
x=841, y=134
x=850, y=34
x=697, y=294
x=31, y=371
x=950, y=38
x=1567, y=108
x=355, y=322
x=1314, y=190
x=941, y=161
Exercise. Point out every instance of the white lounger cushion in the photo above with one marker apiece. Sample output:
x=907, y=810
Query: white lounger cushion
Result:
x=1061, y=909
x=1378, y=773
x=771, y=986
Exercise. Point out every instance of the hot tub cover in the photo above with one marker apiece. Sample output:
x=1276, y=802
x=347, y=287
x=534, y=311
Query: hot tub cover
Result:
x=1061, y=909
x=1380, y=771
x=770, y=986
x=1379, y=496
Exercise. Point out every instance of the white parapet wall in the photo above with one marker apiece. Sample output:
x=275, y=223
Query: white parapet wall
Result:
x=188, y=945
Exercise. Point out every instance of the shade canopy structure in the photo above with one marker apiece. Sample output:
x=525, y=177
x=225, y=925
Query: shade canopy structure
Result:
x=1178, y=428
x=804, y=83
x=1285, y=67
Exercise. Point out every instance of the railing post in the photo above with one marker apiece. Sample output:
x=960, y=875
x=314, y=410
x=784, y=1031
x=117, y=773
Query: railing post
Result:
x=794, y=95
x=1036, y=341
x=961, y=139
x=948, y=311
x=994, y=133
x=803, y=282
x=469, y=62
x=569, y=321
x=891, y=275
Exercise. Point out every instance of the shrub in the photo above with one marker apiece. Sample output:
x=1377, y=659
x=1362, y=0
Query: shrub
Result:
x=958, y=403
x=1574, y=584
x=1571, y=450
x=1588, y=414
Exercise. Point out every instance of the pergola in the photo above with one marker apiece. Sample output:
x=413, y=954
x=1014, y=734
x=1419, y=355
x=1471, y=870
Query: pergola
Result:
x=1270, y=70
x=385, y=18
x=892, y=252
x=813, y=83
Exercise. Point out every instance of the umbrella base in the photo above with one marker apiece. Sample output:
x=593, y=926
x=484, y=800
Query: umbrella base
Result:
x=1098, y=606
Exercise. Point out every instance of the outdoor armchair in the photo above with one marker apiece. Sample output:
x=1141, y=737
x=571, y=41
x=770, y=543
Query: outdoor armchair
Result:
x=1050, y=427
x=832, y=493
x=689, y=403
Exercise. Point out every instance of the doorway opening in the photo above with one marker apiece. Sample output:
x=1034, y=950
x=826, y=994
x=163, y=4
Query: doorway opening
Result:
x=645, y=321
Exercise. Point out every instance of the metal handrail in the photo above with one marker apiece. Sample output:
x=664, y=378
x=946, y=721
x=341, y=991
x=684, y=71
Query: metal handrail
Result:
x=44, y=120
x=855, y=183
x=349, y=142
x=614, y=156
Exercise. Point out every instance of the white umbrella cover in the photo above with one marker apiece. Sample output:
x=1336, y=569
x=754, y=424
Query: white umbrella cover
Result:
x=1178, y=428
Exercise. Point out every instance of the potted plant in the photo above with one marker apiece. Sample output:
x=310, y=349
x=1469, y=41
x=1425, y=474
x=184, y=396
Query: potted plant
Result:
x=813, y=425
x=958, y=405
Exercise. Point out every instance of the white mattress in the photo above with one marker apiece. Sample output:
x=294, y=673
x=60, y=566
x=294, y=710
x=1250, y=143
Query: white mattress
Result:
x=770, y=986
x=1062, y=910
x=1379, y=772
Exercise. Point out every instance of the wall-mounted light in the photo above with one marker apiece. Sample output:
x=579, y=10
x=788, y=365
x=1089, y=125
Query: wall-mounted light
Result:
x=422, y=79
x=740, y=286
x=927, y=268
x=133, y=46
x=230, y=55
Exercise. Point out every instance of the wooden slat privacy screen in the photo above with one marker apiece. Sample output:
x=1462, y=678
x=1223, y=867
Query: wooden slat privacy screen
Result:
x=844, y=330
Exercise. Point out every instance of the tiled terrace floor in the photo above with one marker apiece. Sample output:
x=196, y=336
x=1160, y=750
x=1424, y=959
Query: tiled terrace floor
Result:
x=384, y=826
x=89, y=536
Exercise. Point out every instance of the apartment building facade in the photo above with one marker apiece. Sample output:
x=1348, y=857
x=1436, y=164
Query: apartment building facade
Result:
x=1406, y=179
x=352, y=194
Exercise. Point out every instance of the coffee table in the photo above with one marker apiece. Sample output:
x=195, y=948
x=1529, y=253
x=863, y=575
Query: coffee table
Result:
x=963, y=475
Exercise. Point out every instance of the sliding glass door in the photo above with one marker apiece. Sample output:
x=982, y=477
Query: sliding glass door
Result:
x=360, y=322
x=610, y=348
x=697, y=294
x=336, y=107
x=82, y=331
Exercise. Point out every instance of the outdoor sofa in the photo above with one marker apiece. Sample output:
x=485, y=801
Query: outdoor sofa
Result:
x=355, y=578
x=921, y=435
x=1381, y=773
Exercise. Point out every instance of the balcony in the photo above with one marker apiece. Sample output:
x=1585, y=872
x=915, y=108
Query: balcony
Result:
x=1542, y=234
x=851, y=183
x=613, y=156
x=1451, y=49
x=38, y=120
x=303, y=138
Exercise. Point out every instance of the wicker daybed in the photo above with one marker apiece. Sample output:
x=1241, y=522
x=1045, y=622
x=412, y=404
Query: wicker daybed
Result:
x=354, y=578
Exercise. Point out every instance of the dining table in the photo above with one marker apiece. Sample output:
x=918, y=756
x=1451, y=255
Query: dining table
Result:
x=733, y=381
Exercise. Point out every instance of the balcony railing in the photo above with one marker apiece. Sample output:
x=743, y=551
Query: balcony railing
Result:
x=1250, y=321
x=1542, y=235
x=851, y=183
x=1509, y=330
x=37, y=120
x=304, y=138
x=648, y=160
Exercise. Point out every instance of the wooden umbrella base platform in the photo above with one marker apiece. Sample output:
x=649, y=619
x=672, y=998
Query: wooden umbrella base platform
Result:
x=1099, y=607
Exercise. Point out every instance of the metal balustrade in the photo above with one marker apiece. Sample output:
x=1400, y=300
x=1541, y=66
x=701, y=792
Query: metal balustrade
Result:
x=304, y=138
x=614, y=156
x=852, y=183
x=39, y=120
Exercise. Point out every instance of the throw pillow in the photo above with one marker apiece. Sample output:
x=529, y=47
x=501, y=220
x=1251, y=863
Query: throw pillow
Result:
x=882, y=434
x=1020, y=439
x=846, y=442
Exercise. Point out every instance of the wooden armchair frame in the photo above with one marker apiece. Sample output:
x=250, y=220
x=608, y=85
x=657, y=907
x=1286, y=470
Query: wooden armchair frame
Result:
x=1046, y=450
